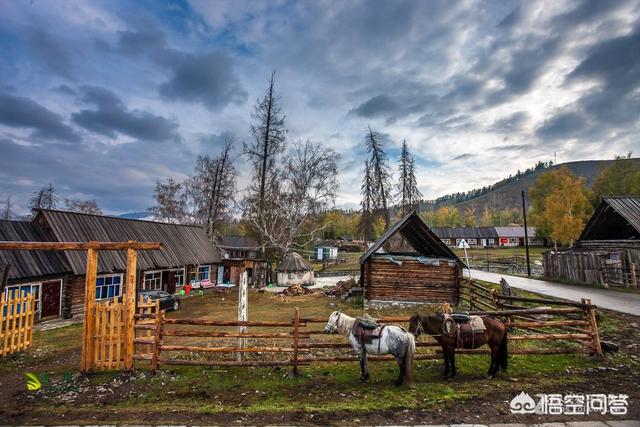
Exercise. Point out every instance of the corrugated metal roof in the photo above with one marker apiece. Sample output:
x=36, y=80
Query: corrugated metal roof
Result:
x=181, y=244
x=418, y=235
x=515, y=231
x=614, y=218
x=238, y=242
x=294, y=263
x=29, y=264
x=465, y=232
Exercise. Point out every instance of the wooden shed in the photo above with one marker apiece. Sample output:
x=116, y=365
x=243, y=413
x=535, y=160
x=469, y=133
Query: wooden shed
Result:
x=294, y=270
x=408, y=265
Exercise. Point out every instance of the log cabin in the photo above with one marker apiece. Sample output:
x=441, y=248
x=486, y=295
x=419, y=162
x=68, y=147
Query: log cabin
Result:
x=58, y=278
x=410, y=265
x=240, y=254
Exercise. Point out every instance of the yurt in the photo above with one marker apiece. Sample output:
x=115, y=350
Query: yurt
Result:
x=294, y=270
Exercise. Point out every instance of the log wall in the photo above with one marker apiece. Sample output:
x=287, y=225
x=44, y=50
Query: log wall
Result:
x=412, y=281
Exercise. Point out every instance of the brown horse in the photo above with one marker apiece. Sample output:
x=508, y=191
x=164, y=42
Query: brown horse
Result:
x=495, y=335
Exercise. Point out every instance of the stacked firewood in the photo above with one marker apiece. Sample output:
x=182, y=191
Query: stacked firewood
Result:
x=296, y=290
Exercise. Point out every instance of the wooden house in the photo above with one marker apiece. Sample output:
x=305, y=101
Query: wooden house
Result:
x=325, y=251
x=240, y=254
x=409, y=264
x=186, y=256
x=515, y=236
x=608, y=250
x=474, y=236
x=294, y=270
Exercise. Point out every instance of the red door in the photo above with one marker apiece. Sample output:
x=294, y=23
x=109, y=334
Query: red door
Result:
x=50, y=299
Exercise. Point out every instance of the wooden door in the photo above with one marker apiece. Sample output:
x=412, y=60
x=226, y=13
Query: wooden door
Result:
x=171, y=282
x=50, y=299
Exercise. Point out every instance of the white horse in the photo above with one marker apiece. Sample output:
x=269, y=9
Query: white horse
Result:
x=393, y=339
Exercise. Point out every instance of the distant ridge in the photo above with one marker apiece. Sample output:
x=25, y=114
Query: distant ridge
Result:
x=508, y=196
x=137, y=215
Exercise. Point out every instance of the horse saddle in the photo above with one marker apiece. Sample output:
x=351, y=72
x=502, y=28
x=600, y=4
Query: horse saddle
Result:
x=367, y=329
x=461, y=318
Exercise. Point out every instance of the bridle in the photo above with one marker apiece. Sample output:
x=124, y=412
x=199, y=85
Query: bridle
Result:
x=420, y=328
x=334, y=326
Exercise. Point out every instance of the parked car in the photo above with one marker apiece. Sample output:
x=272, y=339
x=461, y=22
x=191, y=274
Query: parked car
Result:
x=167, y=301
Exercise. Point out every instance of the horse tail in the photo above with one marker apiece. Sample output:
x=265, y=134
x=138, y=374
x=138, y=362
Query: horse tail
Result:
x=407, y=364
x=503, y=352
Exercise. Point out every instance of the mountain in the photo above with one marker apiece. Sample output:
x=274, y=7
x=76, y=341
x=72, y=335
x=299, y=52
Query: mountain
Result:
x=508, y=195
x=137, y=215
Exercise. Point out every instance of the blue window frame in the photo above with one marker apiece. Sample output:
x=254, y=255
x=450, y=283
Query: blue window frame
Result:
x=203, y=272
x=16, y=291
x=108, y=286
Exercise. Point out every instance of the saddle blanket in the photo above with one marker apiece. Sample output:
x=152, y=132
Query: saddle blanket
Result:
x=477, y=324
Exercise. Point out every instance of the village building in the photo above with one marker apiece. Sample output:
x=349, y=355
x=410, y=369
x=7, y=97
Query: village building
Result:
x=325, y=251
x=294, y=270
x=515, y=236
x=187, y=258
x=608, y=249
x=240, y=254
x=409, y=264
x=474, y=236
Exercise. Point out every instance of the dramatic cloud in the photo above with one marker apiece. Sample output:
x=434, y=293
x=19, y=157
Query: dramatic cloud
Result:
x=22, y=112
x=112, y=117
x=137, y=90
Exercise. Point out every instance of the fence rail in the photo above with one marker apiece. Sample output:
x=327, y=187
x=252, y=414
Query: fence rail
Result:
x=16, y=322
x=180, y=341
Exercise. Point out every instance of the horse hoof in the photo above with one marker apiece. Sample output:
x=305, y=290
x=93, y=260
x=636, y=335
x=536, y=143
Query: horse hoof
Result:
x=364, y=379
x=489, y=376
x=397, y=383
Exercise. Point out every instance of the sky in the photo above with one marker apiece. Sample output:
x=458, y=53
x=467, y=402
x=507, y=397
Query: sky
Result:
x=103, y=98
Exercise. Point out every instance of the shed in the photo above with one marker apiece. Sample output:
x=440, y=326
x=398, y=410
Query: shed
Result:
x=325, y=251
x=608, y=250
x=409, y=264
x=242, y=254
x=294, y=270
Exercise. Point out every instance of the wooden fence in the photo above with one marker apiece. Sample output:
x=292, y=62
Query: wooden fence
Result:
x=574, y=321
x=17, y=314
x=604, y=267
x=179, y=341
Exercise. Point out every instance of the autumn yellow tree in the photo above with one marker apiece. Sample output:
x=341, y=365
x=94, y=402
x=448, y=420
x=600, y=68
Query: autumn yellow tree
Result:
x=469, y=217
x=485, y=220
x=559, y=205
x=621, y=178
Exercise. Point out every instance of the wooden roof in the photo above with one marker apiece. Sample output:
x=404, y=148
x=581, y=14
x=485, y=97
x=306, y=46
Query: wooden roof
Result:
x=465, y=232
x=181, y=244
x=418, y=235
x=238, y=242
x=29, y=264
x=615, y=218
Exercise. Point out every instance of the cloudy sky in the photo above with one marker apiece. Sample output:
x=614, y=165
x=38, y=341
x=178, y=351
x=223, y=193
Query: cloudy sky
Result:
x=104, y=98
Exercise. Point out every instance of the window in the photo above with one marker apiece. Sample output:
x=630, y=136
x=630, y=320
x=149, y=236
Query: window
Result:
x=472, y=242
x=19, y=290
x=179, y=277
x=152, y=280
x=446, y=241
x=203, y=272
x=492, y=242
x=108, y=286
x=513, y=240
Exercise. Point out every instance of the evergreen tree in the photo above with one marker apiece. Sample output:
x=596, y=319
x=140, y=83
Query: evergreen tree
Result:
x=408, y=193
x=380, y=175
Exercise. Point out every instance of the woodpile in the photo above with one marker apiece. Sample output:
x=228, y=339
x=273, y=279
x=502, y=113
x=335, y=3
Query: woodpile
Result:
x=340, y=288
x=297, y=290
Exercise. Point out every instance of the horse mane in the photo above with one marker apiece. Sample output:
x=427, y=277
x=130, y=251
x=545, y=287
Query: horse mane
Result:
x=345, y=323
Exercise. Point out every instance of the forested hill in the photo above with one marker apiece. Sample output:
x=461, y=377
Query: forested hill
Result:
x=507, y=195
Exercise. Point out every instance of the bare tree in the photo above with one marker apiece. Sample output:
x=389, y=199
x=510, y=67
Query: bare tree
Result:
x=83, y=206
x=380, y=174
x=7, y=212
x=305, y=185
x=45, y=198
x=365, y=225
x=408, y=193
x=171, y=202
x=212, y=188
x=269, y=136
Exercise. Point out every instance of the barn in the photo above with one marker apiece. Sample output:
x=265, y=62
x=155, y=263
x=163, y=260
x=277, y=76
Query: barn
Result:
x=608, y=250
x=58, y=278
x=409, y=265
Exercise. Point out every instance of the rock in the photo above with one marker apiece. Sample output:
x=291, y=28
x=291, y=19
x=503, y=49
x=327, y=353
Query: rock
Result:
x=608, y=346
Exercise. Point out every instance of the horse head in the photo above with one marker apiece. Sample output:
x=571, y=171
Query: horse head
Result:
x=415, y=325
x=332, y=323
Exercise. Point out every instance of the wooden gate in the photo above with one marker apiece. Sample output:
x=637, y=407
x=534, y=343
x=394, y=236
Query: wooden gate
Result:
x=16, y=322
x=109, y=336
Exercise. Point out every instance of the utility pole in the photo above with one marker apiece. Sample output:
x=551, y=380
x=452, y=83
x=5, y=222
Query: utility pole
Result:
x=526, y=234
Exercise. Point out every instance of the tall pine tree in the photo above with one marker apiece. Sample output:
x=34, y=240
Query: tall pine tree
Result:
x=408, y=193
x=381, y=176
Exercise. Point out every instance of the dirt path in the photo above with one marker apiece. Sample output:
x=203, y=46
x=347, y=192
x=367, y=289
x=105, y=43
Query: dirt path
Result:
x=618, y=301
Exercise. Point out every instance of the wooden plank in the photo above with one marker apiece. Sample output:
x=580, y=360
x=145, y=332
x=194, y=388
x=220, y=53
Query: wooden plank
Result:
x=89, y=311
x=4, y=322
x=18, y=332
x=14, y=312
x=130, y=308
x=79, y=246
x=226, y=349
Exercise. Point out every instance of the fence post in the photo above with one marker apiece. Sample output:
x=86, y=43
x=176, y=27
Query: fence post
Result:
x=593, y=326
x=88, y=335
x=130, y=307
x=471, y=296
x=634, y=277
x=296, y=339
x=157, y=336
x=243, y=316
